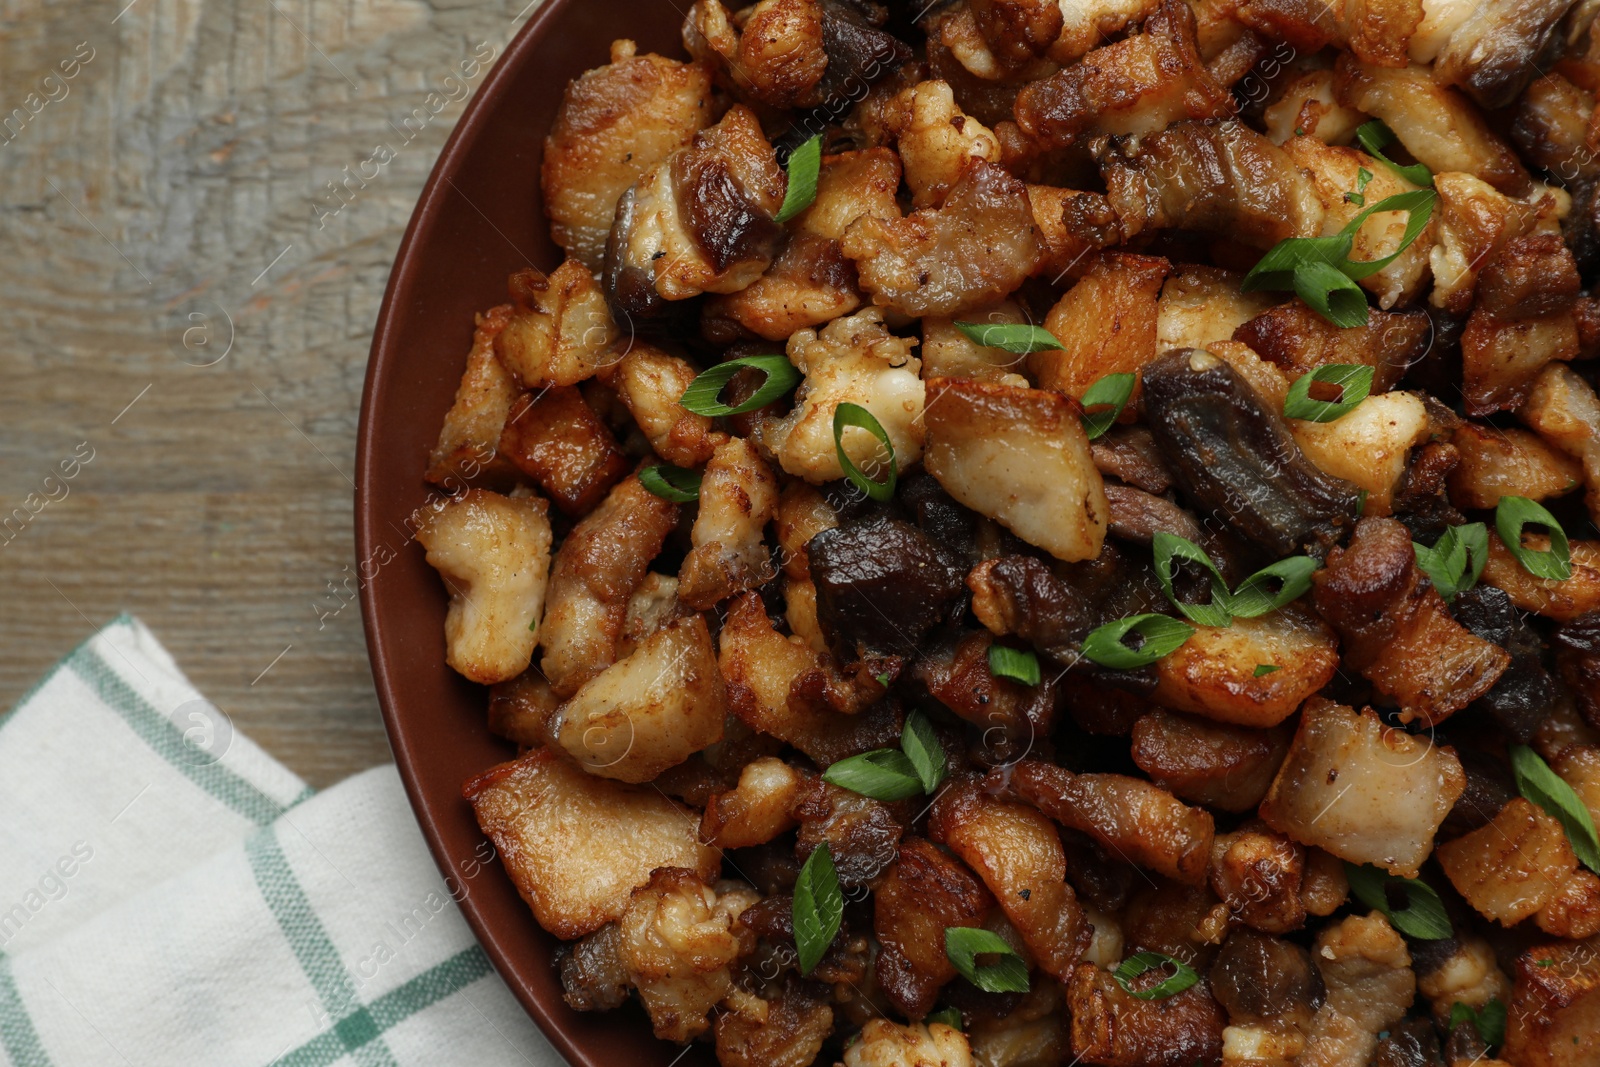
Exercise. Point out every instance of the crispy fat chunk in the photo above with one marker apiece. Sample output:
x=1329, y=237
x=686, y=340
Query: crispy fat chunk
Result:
x=781, y=686
x=650, y=382
x=615, y=123
x=949, y=353
x=1554, y=1019
x=559, y=330
x=773, y=53
x=1370, y=446
x=738, y=497
x=520, y=710
x=887, y=1044
x=1396, y=628
x=1106, y=324
x=1111, y=1026
x=757, y=809
x=1515, y=866
x=923, y=894
x=698, y=222
x=1203, y=305
x=650, y=711
x=974, y=249
x=1138, y=85
x=1140, y=822
x=1521, y=321
x=1258, y=875
x=935, y=140
x=1496, y=463
x=556, y=439
x=784, y=1031
x=678, y=940
x=1437, y=124
x=469, y=440
x=1565, y=600
x=810, y=283
x=1216, y=764
x=1020, y=457
x=1363, y=791
x=1563, y=408
x=493, y=553
x=1018, y=854
x=596, y=572
x=576, y=845
x=1219, y=177
x=854, y=359
x=1366, y=970
x=1298, y=341
x=1214, y=673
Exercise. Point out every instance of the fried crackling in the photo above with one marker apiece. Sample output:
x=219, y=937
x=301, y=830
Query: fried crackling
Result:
x=1216, y=764
x=596, y=571
x=650, y=382
x=925, y=892
x=469, y=439
x=1018, y=854
x=738, y=497
x=1564, y=410
x=493, y=553
x=1112, y=1026
x=1365, y=792
x=576, y=845
x=1137, y=821
x=556, y=439
x=1020, y=457
x=559, y=331
x=1396, y=629
x=615, y=123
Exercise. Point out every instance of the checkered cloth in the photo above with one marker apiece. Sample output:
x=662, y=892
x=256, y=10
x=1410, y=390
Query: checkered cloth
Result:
x=171, y=895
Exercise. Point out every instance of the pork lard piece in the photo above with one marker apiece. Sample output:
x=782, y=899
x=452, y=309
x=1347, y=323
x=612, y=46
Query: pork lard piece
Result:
x=1019, y=456
x=650, y=711
x=494, y=555
x=1136, y=820
x=596, y=571
x=1220, y=177
x=615, y=123
x=1555, y=1008
x=1396, y=629
x=1363, y=791
x=576, y=846
x=1234, y=457
x=973, y=250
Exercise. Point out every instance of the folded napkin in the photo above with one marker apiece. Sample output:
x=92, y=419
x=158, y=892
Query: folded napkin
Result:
x=171, y=895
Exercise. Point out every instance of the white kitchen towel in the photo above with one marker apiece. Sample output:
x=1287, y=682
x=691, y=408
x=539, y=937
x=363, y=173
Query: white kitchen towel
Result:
x=172, y=896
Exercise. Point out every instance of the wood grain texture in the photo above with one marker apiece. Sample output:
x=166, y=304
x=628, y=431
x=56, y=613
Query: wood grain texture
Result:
x=169, y=240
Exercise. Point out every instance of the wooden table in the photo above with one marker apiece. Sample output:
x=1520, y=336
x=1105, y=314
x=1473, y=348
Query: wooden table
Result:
x=185, y=308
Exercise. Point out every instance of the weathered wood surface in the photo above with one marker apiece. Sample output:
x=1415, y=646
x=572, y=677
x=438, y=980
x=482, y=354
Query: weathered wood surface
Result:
x=185, y=300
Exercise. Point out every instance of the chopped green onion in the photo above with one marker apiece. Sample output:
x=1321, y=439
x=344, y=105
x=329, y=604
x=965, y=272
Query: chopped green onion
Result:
x=1167, y=547
x=1423, y=917
x=1541, y=785
x=1358, y=197
x=887, y=774
x=950, y=1017
x=818, y=907
x=671, y=483
x=1374, y=137
x=964, y=944
x=533, y=625
x=702, y=396
x=804, y=164
x=883, y=774
x=1455, y=561
x=1263, y=669
x=1017, y=664
x=1161, y=634
x=1515, y=512
x=846, y=415
x=923, y=750
x=1113, y=389
x=1182, y=978
x=1018, y=338
x=1320, y=270
x=1353, y=379
x=1255, y=596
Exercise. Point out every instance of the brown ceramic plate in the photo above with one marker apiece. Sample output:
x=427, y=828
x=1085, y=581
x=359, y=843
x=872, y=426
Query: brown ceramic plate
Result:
x=480, y=218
